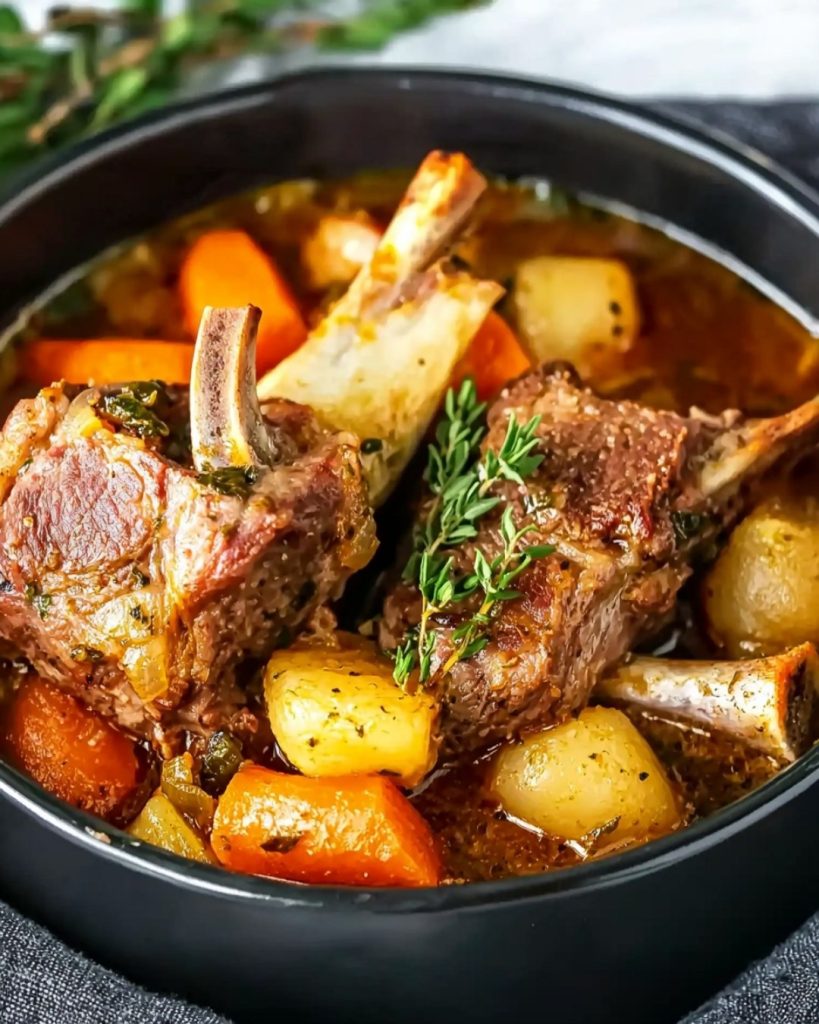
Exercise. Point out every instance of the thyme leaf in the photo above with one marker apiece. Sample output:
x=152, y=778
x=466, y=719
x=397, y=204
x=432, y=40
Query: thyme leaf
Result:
x=37, y=599
x=686, y=525
x=132, y=408
x=236, y=481
x=460, y=479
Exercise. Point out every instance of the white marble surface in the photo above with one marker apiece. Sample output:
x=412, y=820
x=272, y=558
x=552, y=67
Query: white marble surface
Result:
x=740, y=48
x=757, y=48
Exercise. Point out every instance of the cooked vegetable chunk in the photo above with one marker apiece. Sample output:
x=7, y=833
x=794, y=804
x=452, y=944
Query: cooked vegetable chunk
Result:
x=762, y=593
x=343, y=831
x=71, y=751
x=180, y=788
x=494, y=357
x=106, y=361
x=338, y=711
x=227, y=268
x=575, y=308
x=161, y=824
x=338, y=247
x=592, y=775
x=220, y=762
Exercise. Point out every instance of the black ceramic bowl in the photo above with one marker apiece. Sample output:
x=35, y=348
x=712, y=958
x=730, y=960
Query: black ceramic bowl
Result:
x=643, y=936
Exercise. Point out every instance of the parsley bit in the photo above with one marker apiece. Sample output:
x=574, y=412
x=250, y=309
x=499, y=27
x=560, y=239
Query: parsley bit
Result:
x=37, y=599
x=460, y=479
x=236, y=481
x=687, y=525
x=132, y=407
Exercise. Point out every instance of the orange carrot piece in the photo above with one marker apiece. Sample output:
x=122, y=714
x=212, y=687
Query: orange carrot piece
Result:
x=227, y=268
x=352, y=830
x=494, y=357
x=106, y=361
x=70, y=750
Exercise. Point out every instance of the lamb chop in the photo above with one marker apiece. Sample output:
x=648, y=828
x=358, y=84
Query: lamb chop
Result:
x=139, y=568
x=627, y=496
x=138, y=575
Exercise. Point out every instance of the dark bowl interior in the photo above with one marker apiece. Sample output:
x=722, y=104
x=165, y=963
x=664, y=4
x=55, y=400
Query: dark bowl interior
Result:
x=662, y=925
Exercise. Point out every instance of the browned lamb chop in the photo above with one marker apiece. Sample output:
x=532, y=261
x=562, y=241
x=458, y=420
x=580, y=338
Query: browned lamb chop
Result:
x=626, y=495
x=137, y=573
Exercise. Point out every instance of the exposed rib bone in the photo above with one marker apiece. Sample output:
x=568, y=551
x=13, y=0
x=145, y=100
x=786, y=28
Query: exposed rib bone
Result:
x=754, y=446
x=381, y=360
x=766, y=703
x=227, y=428
x=435, y=206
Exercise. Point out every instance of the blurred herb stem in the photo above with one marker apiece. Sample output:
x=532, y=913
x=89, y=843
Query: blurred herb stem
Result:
x=87, y=68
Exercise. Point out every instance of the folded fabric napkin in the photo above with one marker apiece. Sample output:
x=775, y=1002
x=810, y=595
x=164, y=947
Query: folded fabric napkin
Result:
x=42, y=981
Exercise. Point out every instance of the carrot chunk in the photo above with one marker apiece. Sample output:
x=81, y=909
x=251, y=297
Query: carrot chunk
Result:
x=106, y=361
x=71, y=751
x=227, y=268
x=494, y=357
x=351, y=830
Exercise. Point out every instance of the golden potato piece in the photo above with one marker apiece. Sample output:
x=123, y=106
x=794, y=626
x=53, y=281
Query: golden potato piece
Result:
x=337, y=710
x=593, y=773
x=575, y=308
x=762, y=594
x=337, y=248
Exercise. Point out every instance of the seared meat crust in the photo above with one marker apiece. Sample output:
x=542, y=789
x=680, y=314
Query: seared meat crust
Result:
x=619, y=494
x=138, y=587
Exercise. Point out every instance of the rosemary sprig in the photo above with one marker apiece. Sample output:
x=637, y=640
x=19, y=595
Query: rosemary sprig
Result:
x=90, y=67
x=460, y=480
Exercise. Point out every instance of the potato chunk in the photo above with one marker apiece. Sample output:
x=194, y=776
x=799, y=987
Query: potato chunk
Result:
x=336, y=710
x=593, y=773
x=762, y=594
x=161, y=824
x=576, y=308
x=338, y=247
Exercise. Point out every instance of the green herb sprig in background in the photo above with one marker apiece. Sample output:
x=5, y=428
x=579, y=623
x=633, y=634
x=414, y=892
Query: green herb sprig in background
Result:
x=89, y=68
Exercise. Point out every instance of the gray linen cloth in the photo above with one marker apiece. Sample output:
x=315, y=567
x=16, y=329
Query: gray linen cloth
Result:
x=42, y=981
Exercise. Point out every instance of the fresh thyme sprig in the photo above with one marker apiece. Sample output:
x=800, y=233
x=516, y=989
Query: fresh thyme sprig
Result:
x=494, y=579
x=460, y=480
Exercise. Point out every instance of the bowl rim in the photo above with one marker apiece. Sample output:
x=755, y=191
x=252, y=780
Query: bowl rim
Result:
x=750, y=168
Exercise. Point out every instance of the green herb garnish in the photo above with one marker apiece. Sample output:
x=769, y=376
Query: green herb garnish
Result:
x=494, y=582
x=460, y=479
x=220, y=762
x=132, y=408
x=140, y=578
x=91, y=67
x=234, y=480
x=83, y=653
x=138, y=613
x=40, y=602
x=687, y=525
